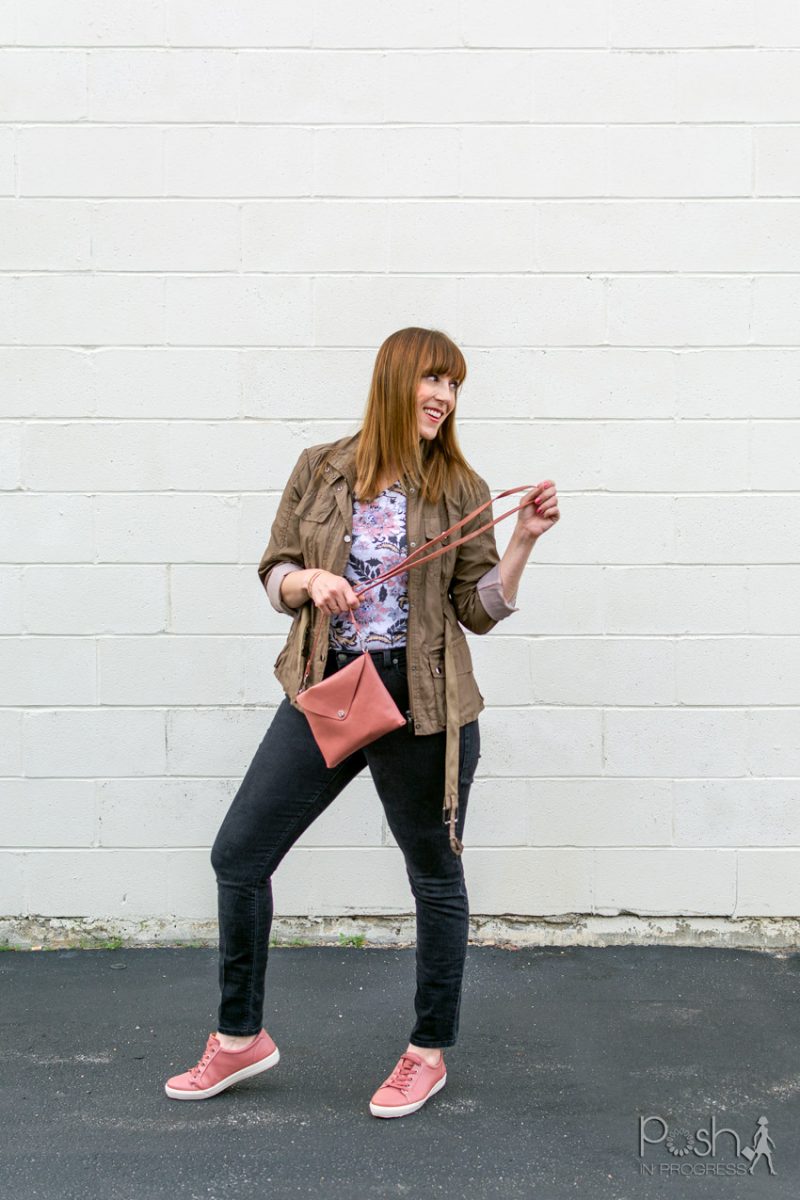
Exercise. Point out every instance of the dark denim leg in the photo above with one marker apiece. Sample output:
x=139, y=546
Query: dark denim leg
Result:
x=408, y=771
x=286, y=787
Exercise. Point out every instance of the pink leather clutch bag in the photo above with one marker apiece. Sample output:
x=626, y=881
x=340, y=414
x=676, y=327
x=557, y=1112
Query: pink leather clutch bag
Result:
x=349, y=709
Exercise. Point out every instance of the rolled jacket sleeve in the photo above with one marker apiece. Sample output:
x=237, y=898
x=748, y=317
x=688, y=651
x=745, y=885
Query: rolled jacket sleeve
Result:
x=493, y=598
x=274, y=580
x=283, y=552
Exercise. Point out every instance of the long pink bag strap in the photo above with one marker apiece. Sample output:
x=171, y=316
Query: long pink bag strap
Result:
x=406, y=565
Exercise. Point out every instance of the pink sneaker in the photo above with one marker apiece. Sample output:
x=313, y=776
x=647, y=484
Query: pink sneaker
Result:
x=219, y=1068
x=410, y=1084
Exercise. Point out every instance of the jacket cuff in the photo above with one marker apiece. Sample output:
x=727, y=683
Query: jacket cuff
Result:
x=273, y=586
x=492, y=597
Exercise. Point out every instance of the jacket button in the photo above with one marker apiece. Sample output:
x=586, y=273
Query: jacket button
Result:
x=347, y=537
x=341, y=712
x=438, y=670
x=413, y=544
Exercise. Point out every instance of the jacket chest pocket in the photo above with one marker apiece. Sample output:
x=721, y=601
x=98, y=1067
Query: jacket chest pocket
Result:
x=317, y=508
x=319, y=524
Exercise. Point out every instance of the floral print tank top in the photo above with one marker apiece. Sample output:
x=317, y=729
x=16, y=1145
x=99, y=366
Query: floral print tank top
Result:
x=378, y=543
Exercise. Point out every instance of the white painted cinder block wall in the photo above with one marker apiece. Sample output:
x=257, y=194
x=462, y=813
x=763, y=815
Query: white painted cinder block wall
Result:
x=211, y=217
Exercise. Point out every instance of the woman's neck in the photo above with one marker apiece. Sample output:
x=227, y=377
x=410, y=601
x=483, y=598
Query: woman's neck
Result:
x=385, y=481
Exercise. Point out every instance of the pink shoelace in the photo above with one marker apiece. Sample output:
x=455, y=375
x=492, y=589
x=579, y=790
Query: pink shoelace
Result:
x=403, y=1075
x=211, y=1046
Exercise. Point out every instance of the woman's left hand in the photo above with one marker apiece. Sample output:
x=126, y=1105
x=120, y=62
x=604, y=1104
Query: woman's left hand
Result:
x=541, y=509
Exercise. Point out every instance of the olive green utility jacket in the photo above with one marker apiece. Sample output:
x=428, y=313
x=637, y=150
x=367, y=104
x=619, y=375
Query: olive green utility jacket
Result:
x=313, y=528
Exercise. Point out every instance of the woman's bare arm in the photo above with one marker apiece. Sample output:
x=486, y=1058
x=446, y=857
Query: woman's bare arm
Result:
x=293, y=587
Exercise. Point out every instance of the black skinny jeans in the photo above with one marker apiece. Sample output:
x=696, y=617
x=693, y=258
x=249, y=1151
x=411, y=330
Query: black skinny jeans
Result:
x=286, y=787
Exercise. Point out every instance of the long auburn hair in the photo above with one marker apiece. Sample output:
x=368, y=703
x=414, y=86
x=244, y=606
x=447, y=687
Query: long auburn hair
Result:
x=389, y=433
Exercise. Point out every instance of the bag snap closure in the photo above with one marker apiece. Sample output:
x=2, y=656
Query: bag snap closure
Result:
x=340, y=712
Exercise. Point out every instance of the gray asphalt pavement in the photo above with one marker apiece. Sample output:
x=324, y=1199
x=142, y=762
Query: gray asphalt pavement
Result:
x=561, y=1052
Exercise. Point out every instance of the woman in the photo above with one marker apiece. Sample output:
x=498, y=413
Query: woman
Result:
x=352, y=509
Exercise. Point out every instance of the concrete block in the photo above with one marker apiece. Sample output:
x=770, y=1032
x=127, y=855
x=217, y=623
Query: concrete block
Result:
x=93, y=742
x=95, y=599
x=665, y=881
x=54, y=813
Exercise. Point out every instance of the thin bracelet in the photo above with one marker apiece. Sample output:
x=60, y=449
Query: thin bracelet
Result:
x=311, y=577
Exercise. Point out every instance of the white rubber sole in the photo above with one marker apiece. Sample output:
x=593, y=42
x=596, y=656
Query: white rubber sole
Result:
x=237, y=1077
x=402, y=1110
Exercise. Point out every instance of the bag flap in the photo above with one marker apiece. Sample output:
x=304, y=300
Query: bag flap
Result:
x=336, y=693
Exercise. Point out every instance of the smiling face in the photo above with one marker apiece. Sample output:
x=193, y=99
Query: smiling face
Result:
x=436, y=394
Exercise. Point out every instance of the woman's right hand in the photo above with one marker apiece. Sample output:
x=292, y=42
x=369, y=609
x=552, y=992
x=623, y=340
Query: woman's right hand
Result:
x=332, y=593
